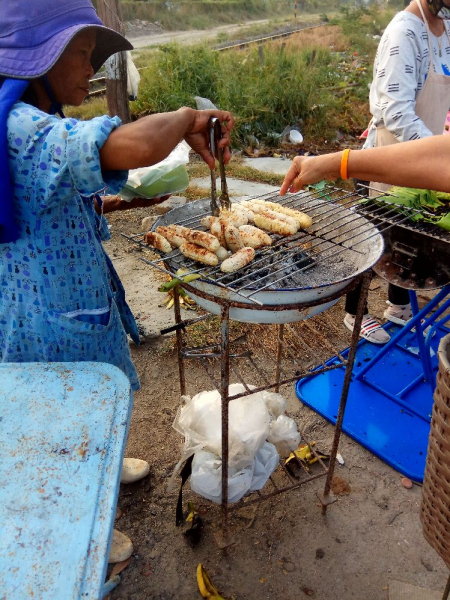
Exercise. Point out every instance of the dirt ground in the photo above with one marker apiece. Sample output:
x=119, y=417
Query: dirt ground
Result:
x=284, y=549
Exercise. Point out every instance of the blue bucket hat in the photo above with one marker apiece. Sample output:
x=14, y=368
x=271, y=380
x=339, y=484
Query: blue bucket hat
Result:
x=33, y=35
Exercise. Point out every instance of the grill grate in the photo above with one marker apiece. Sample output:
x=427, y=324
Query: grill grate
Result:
x=344, y=222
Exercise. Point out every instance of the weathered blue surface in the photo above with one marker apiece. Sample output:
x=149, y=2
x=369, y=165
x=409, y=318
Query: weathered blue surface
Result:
x=63, y=429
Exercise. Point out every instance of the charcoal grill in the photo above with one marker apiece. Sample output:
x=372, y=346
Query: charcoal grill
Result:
x=416, y=255
x=296, y=278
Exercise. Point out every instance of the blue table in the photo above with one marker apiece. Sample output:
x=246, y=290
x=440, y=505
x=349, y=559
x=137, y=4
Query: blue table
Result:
x=63, y=428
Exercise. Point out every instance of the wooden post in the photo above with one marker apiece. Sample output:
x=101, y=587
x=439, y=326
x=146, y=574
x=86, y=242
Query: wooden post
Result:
x=110, y=13
x=261, y=55
x=295, y=10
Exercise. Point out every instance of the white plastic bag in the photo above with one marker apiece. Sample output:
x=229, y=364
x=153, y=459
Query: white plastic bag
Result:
x=206, y=478
x=133, y=78
x=166, y=177
x=266, y=461
x=276, y=403
x=199, y=420
x=204, y=103
x=284, y=434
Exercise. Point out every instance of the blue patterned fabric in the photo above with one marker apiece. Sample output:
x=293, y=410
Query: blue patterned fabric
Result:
x=60, y=297
x=10, y=91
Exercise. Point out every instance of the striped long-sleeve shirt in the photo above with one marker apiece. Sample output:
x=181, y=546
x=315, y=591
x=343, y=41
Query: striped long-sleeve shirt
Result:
x=400, y=70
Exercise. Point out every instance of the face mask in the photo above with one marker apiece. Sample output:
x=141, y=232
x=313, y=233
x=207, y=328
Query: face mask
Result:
x=439, y=9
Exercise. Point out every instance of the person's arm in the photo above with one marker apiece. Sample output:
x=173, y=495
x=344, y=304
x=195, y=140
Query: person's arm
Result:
x=396, y=80
x=419, y=164
x=113, y=203
x=150, y=139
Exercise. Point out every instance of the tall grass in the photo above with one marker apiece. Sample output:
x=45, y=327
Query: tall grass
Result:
x=265, y=93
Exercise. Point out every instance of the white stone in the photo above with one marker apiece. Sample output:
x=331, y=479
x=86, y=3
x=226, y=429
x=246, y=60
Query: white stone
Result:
x=134, y=469
x=147, y=223
x=121, y=547
x=172, y=202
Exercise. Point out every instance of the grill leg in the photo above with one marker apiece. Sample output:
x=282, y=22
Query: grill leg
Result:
x=224, y=392
x=447, y=590
x=279, y=352
x=325, y=500
x=179, y=334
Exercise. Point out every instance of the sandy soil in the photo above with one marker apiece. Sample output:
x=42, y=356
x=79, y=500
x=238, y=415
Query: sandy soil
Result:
x=285, y=548
x=141, y=38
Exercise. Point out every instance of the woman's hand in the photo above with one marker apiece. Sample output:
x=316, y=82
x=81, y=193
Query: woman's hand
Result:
x=198, y=134
x=306, y=170
x=150, y=139
x=113, y=203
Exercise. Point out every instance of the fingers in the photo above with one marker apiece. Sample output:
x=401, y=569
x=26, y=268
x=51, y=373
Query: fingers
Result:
x=292, y=181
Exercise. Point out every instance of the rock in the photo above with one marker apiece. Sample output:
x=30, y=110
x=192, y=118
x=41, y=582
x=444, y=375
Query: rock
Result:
x=339, y=486
x=320, y=553
x=407, y=483
x=290, y=567
x=121, y=547
x=147, y=223
x=172, y=202
x=133, y=469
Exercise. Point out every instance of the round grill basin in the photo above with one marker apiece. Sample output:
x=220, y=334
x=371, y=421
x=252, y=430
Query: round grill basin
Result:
x=341, y=244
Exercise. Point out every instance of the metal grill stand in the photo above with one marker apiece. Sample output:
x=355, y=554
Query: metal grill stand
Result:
x=226, y=363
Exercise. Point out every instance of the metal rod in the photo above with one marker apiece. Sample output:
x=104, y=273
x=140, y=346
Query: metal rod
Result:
x=278, y=359
x=345, y=387
x=404, y=331
x=179, y=338
x=447, y=590
x=424, y=357
x=224, y=393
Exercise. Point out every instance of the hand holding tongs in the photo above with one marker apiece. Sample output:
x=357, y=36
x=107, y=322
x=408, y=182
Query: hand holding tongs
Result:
x=215, y=134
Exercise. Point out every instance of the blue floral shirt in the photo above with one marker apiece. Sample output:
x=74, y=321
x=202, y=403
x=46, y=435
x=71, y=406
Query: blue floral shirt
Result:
x=60, y=297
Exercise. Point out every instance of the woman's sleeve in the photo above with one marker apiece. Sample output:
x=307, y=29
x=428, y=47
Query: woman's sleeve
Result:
x=54, y=158
x=396, y=82
x=84, y=141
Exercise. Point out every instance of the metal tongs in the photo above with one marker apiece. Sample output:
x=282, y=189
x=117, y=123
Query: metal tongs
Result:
x=215, y=135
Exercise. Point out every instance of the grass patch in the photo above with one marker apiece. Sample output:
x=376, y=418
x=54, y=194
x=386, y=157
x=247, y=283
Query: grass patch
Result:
x=91, y=108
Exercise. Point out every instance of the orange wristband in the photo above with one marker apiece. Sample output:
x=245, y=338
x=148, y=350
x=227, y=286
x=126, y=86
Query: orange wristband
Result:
x=344, y=164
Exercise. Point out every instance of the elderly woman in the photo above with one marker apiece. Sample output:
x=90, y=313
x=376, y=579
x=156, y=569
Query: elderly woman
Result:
x=60, y=297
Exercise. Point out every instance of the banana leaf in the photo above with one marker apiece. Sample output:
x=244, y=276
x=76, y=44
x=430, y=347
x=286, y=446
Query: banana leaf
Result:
x=434, y=204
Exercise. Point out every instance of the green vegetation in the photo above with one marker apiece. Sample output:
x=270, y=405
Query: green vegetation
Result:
x=265, y=91
x=202, y=14
x=319, y=83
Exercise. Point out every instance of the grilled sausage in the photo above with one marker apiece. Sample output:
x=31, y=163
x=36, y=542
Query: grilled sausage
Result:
x=221, y=253
x=235, y=217
x=232, y=235
x=239, y=260
x=158, y=241
x=201, y=238
x=245, y=210
x=272, y=214
x=178, y=230
x=254, y=237
x=208, y=221
x=199, y=254
x=173, y=239
x=274, y=225
x=218, y=231
x=302, y=218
